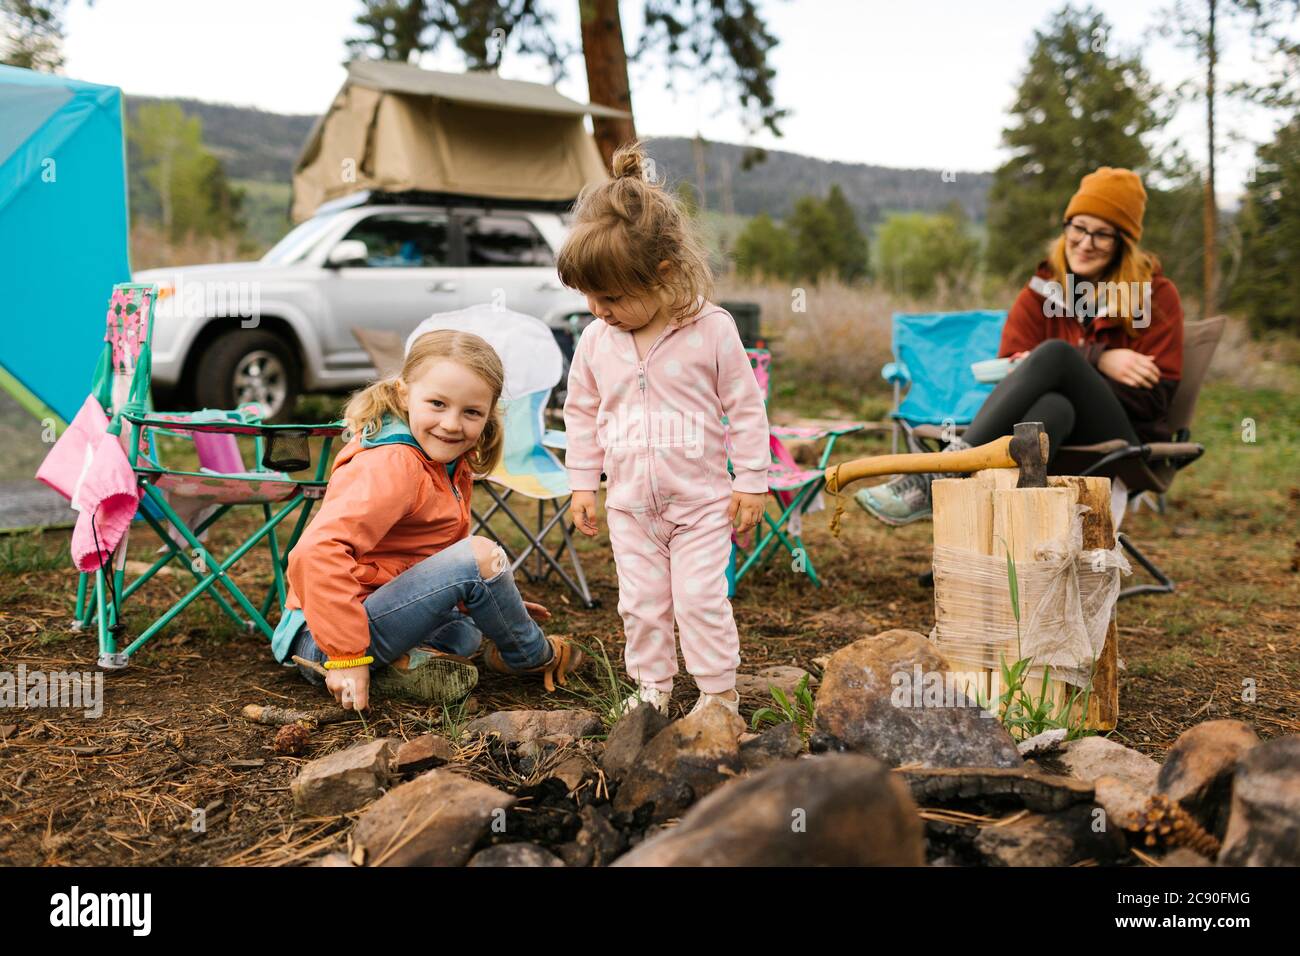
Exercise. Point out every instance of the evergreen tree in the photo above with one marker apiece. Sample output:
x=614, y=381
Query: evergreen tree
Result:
x=1080, y=105
x=851, y=246
x=1268, y=285
x=764, y=250
x=816, y=238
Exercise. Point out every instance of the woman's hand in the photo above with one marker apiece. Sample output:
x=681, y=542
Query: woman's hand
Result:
x=745, y=510
x=1129, y=368
x=583, y=509
x=350, y=686
x=536, y=611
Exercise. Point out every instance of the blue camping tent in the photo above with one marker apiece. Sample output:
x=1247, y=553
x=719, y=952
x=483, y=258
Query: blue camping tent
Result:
x=63, y=232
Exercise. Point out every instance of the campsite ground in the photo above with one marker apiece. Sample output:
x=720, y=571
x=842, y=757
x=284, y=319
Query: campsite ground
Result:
x=120, y=789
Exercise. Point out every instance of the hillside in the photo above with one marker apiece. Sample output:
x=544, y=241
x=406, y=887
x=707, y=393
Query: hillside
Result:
x=259, y=149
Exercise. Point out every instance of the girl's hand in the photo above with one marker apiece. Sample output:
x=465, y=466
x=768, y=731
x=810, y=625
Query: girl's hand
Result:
x=1129, y=368
x=747, y=508
x=536, y=611
x=583, y=509
x=350, y=686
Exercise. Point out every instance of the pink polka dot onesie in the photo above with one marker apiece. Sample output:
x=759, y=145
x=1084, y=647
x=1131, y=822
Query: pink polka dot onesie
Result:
x=653, y=425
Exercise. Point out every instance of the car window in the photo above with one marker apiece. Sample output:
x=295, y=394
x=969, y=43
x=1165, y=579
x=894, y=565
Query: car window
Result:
x=504, y=241
x=403, y=240
x=299, y=241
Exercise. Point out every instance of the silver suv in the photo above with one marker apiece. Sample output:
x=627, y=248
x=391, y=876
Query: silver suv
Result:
x=266, y=331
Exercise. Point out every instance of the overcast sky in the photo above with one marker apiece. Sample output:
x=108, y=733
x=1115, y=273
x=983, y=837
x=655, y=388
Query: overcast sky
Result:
x=903, y=83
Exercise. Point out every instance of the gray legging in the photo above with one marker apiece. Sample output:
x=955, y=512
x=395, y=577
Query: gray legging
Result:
x=1054, y=385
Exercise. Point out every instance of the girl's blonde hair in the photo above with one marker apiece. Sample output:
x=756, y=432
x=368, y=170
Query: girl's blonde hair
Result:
x=623, y=228
x=366, y=409
x=1130, y=265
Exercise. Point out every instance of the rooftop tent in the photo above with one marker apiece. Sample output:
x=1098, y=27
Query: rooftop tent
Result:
x=63, y=233
x=397, y=128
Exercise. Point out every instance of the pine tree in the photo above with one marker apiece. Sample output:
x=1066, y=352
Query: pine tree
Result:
x=1080, y=105
x=851, y=246
x=1268, y=285
x=764, y=250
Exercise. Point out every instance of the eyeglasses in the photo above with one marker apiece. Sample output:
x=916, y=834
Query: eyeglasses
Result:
x=1102, y=240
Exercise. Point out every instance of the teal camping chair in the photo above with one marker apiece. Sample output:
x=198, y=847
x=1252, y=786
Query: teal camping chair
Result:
x=933, y=354
x=121, y=388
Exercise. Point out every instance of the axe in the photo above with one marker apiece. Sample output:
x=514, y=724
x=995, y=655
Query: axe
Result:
x=1026, y=450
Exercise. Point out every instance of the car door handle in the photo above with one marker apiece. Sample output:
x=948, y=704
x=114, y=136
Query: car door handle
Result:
x=442, y=285
x=549, y=286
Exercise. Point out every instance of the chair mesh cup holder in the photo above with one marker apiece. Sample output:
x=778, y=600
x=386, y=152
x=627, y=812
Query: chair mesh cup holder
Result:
x=287, y=450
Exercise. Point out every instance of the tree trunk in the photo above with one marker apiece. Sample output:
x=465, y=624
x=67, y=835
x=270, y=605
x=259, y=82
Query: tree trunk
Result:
x=607, y=83
x=1211, y=212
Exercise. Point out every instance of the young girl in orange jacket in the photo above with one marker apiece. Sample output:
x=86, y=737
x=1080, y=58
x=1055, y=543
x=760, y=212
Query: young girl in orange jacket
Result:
x=387, y=578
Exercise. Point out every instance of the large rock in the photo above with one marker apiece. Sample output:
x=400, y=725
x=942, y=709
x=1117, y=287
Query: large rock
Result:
x=685, y=761
x=1264, y=827
x=836, y=810
x=863, y=704
x=1050, y=839
x=784, y=676
x=515, y=854
x=344, y=780
x=1198, y=770
x=434, y=820
x=518, y=726
x=627, y=737
x=782, y=742
x=1091, y=757
x=423, y=753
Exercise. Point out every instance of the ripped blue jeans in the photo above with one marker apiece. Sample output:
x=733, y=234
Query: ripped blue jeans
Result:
x=419, y=608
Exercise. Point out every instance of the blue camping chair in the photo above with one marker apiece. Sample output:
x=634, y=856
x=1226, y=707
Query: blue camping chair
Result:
x=933, y=353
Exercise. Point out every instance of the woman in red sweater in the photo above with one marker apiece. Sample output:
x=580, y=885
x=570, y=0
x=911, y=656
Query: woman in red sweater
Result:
x=1099, y=334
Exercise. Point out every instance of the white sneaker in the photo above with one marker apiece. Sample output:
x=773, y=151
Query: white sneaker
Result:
x=658, y=699
x=732, y=704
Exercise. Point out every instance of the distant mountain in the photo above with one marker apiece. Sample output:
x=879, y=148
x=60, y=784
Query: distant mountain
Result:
x=261, y=146
x=773, y=185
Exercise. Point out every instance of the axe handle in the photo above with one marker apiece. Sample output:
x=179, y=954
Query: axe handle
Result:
x=996, y=454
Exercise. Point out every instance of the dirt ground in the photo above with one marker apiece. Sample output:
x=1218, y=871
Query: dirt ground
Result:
x=121, y=789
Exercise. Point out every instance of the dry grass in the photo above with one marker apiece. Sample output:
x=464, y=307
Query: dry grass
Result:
x=151, y=249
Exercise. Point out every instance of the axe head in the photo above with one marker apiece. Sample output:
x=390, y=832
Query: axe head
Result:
x=1029, y=451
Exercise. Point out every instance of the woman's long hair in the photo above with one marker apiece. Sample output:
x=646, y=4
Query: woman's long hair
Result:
x=366, y=409
x=1129, y=268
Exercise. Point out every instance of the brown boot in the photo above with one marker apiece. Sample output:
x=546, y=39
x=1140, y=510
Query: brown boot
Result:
x=566, y=658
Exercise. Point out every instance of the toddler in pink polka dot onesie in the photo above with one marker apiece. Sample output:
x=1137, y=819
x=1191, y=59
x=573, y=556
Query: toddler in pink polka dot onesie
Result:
x=648, y=387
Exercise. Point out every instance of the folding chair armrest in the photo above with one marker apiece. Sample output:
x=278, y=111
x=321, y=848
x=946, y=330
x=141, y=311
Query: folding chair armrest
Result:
x=1180, y=452
x=1110, y=452
x=181, y=424
x=895, y=373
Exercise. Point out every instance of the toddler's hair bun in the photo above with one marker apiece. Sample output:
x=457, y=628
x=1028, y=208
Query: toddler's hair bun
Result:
x=629, y=160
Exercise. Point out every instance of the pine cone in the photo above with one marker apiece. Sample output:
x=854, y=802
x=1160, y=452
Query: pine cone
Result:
x=1165, y=823
x=291, y=740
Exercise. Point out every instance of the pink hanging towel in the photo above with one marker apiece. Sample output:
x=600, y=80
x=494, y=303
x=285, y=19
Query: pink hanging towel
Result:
x=108, y=496
x=70, y=457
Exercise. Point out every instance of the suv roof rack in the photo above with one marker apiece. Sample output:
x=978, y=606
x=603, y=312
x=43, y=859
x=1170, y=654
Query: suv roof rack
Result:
x=414, y=197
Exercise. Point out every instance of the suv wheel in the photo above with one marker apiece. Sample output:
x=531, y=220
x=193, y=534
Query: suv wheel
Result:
x=249, y=366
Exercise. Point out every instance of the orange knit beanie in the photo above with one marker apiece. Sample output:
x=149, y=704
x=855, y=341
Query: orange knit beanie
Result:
x=1115, y=195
